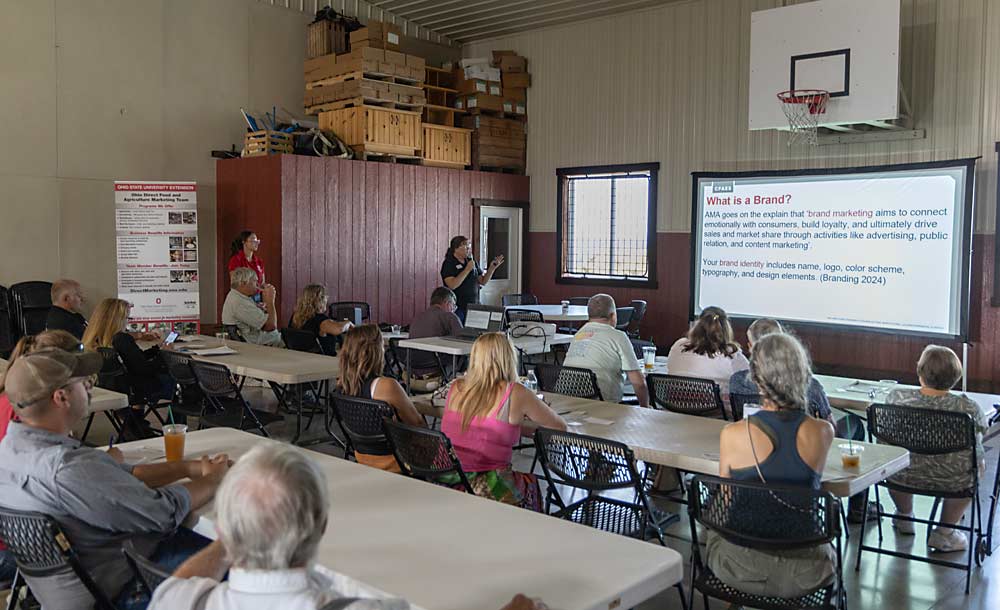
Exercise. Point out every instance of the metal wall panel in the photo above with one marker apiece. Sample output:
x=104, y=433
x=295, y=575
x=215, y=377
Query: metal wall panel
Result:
x=670, y=84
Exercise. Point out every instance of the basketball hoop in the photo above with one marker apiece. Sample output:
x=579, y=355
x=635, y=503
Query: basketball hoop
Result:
x=802, y=108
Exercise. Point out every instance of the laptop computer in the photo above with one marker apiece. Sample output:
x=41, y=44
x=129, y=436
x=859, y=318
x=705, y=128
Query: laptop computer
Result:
x=480, y=319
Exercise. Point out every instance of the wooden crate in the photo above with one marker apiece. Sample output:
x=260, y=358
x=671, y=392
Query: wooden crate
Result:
x=326, y=37
x=267, y=142
x=376, y=130
x=447, y=146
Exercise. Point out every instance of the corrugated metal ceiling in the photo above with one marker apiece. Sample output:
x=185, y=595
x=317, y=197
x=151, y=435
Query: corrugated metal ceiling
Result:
x=470, y=20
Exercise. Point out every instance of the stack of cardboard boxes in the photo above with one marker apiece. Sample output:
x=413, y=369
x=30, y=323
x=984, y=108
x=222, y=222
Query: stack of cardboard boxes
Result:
x=374, y=71
x=494, y=95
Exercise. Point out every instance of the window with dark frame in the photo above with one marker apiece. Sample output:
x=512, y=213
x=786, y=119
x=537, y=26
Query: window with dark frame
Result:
x=606, y=225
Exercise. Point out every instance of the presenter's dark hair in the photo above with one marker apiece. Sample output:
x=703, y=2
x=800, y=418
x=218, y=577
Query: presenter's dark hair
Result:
x=456, y=243
x=712, y=334
x=237, y=244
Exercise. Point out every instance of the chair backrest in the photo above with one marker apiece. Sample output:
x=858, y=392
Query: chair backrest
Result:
x=763, y=516
x=361, y=420
x=8, y=329
x=586, y=462
x=568, y=380
x=522, y=315
x=233, y=333
x=923, y=431
x=638, y=344
x=511, y=300
x=301, y=340
x=423, y=453
x=113, y=375
x=688, y=395
x=737, y=401
x=179, y=367
x=638, y=313
x=149, y=573
x=336, y=306
x=41, y=549
x=214, y=379
x=32, y=295
x=624, y=317
x=584, y=301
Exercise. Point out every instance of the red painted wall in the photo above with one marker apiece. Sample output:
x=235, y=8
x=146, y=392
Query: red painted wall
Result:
x=863, y=354
x=374, y=232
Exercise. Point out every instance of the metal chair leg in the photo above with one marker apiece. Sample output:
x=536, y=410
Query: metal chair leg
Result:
x=861, y=537
x=14, y=586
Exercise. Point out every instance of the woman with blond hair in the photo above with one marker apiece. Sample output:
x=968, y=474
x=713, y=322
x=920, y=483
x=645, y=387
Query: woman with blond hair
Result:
x=483, y=417
x=146, y=372
x=310, y=315
x=362, y=360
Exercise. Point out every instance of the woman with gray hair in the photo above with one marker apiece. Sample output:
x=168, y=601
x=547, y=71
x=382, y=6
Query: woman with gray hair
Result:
x=938, y=370
x=780, y=444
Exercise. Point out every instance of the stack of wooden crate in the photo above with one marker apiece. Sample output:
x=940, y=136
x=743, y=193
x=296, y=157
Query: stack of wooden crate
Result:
x=497, y=144
x=364, y=76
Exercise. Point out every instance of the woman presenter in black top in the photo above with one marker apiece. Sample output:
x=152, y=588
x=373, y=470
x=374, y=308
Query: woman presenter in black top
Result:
x=462, y=274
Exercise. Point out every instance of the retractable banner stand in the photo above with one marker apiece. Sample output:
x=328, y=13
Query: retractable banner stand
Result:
x=157, y=228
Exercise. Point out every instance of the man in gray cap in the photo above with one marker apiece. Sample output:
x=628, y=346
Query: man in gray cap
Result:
x=98, y=502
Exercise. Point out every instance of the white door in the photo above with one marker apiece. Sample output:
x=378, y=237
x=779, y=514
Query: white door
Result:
x=500, y=233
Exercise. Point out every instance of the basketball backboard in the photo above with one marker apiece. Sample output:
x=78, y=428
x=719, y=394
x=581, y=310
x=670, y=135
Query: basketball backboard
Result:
x=847, y=47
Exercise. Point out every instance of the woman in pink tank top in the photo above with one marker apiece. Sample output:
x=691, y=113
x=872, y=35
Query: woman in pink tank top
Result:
x=483, y=417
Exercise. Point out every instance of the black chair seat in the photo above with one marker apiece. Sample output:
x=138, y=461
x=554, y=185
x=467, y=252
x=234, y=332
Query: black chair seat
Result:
x=230, y=417
x=608, y=514
x=708, y=583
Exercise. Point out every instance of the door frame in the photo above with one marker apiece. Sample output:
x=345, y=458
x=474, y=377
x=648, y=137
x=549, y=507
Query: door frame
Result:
x=506, y=203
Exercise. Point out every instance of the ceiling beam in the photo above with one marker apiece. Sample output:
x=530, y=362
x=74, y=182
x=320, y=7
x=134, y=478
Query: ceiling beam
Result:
x=533, y=22
x=500, y=13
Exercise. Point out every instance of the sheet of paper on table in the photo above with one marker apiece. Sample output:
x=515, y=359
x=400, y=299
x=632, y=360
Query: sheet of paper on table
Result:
x=222, y=350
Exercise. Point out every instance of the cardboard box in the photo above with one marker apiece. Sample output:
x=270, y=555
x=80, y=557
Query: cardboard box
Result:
x=395, y=58
x=520, y=108
x=322, y=64
x=482, y=73
x=378, y=35
x=481, y=101
x=516, y=94
x=368, y=53
x=516, y=80
x=416, y=62
x=513, y=63
x=469, y=87
x=497, y=55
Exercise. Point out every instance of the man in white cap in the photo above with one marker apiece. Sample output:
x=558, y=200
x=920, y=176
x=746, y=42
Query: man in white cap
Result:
x=97, y=501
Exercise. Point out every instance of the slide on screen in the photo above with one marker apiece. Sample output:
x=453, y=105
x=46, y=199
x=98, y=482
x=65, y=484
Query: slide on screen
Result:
x=879, y=248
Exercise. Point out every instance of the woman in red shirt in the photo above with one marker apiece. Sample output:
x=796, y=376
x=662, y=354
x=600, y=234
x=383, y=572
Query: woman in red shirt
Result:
x=244, y=249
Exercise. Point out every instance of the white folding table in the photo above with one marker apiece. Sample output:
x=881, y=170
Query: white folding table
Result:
x=443, y=549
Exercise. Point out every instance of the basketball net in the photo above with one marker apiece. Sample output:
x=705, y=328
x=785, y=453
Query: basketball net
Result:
x=802, y=108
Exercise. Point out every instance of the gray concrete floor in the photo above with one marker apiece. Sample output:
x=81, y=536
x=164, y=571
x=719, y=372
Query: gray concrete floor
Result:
x=882, y=582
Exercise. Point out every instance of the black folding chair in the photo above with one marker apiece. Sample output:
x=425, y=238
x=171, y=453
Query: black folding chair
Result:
x=8, y=329
x=767, y=518
x=41, y=549
x=638, y=313
x=582, y=301
x=126, y=422
x=303, y=341
x=568, y=380
x=361, y=419
x=596, y=466
x=148, y=572
x=737, y=401
x=687, y=395
x=638, y=345
x=225, y=406
x=188, y=399
x=624, y=318
x=928, y=432
x=424, y=454
x=513, y=300
x=522, y=315
x=32, y=301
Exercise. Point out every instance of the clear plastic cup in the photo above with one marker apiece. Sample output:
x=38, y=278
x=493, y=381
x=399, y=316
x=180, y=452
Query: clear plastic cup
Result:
x=649, y=357
x=395, y=329
x=173, y=441
x=565, y=305
x=850, y=454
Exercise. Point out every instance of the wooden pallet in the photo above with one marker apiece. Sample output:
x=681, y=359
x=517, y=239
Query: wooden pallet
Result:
x=517, y=171
x=362, y=101
x=385, y=78
x=381, y=157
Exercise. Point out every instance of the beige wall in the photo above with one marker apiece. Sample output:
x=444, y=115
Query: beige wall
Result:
x=100, y=90
x=670, y=85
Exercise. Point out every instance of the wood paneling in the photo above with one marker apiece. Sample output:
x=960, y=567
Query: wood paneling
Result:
x=872, y=355
x=374, y=232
